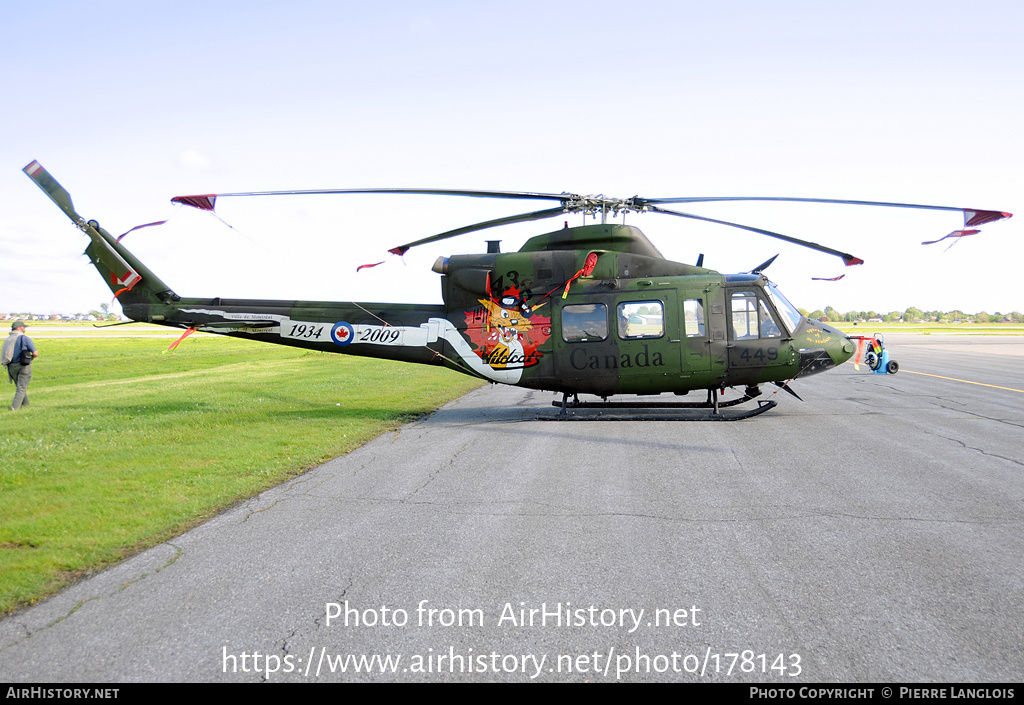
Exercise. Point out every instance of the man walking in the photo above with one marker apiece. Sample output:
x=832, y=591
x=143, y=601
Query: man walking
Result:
x=17, y=355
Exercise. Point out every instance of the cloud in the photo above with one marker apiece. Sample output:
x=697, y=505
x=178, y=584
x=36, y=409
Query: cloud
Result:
x=194, y=159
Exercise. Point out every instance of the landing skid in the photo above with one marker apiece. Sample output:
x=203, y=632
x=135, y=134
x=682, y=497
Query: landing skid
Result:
x=711, y=410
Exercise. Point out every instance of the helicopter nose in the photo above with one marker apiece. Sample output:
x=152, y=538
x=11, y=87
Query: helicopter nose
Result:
x=842, y=348
x=823, y=347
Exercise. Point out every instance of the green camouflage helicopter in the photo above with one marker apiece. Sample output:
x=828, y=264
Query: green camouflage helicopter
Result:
x=594, y=309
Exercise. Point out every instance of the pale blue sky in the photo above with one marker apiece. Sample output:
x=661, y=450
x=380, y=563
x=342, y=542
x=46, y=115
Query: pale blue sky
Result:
x=128, y=104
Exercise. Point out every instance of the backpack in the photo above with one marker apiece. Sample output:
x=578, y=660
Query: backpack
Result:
x=26, y=353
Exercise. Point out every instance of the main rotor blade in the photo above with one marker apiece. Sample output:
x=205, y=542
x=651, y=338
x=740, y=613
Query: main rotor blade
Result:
x=526, y=195
x=764, y=265
x=525, y=217
x=972, y=216
x=847, y=258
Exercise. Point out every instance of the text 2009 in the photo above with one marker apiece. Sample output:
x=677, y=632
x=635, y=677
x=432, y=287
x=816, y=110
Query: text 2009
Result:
x=379, y=335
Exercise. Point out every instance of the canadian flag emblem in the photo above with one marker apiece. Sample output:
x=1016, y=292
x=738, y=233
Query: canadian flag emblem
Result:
x=342, y=333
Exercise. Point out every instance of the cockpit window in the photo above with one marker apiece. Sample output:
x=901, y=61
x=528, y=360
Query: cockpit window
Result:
x=744, y=315
x=751, y=317
x=769, y=328
x=791, y=317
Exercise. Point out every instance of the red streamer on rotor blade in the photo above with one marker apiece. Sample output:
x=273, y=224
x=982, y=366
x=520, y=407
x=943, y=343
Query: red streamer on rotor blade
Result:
x=139, y=227
x=955, y=233
x=976, y=217
x=203, y=203
x=368, y=266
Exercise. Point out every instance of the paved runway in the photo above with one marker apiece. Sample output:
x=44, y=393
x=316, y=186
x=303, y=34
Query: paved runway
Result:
x=871, y=533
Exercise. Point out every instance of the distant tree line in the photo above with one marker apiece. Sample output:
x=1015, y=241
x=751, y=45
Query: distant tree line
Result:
x=914, y=315
x=94, y=315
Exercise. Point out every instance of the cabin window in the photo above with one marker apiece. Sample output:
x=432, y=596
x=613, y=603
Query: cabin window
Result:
x=751, y=318
x=583, y=322
x=641, y=319
x=693, y=318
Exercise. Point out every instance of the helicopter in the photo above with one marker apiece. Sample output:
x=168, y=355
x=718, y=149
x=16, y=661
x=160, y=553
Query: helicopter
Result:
x=593, y=309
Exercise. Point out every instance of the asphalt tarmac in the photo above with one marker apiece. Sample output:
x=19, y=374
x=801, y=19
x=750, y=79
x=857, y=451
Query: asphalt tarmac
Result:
x=871, y=533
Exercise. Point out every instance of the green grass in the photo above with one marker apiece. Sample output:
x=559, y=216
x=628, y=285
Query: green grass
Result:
x=125, y=446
